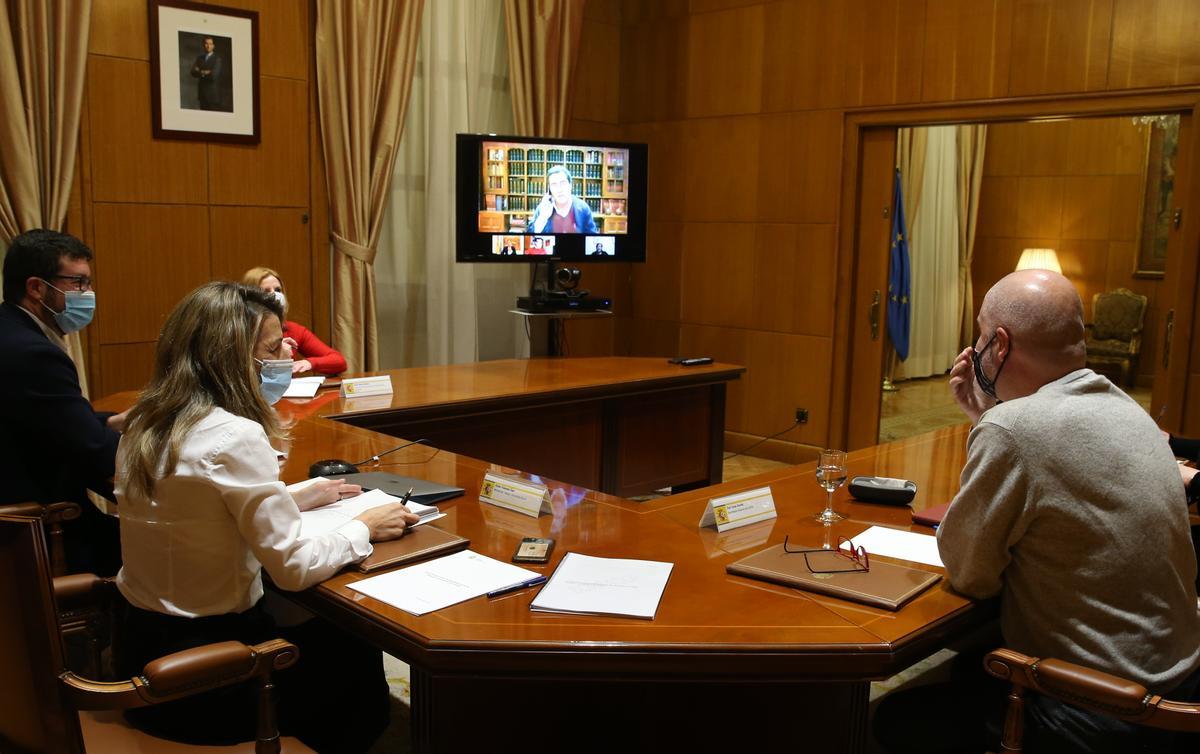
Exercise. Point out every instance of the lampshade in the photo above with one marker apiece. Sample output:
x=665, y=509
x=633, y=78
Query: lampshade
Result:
x=1039, y=259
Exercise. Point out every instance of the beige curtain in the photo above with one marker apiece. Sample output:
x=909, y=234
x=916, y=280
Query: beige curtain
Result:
x=972, y=142
x=911, y=147
x=366, y=52
x=543, y=44
x=43, y=61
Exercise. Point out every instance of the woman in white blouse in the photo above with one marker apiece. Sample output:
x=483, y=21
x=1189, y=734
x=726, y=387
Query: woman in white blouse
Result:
x=203, y=512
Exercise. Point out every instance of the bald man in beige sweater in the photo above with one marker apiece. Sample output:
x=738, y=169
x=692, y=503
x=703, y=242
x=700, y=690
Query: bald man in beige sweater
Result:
x=1071, y=509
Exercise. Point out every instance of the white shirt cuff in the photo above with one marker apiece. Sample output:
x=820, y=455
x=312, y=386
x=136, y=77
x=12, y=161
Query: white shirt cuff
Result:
x=359, y=537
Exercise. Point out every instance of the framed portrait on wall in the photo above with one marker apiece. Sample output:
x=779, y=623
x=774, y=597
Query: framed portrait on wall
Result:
x=204, y=72
x=1158, y=195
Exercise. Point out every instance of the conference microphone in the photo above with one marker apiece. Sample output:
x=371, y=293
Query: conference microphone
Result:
x=336, y=466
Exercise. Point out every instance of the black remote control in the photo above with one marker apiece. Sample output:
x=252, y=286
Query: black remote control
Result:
x=696, y=361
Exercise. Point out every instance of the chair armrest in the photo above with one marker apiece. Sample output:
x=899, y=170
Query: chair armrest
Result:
x=184, y=673
x=82, y=590
x=50, y=513
x=1072, y=683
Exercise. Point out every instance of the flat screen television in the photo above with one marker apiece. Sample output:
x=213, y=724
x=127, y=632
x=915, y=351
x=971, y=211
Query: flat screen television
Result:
x=527, y=199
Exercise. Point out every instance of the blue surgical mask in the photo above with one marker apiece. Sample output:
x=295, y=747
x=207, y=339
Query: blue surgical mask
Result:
x=77, y=311
x=276, y=375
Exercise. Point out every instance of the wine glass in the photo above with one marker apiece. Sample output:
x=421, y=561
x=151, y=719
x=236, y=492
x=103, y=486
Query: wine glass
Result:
x=831, y=474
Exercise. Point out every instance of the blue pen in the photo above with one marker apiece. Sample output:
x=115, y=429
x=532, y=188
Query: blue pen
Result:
x=517, y=587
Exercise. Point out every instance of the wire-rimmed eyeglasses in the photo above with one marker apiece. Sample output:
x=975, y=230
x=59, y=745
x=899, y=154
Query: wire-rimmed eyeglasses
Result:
x=852, y=559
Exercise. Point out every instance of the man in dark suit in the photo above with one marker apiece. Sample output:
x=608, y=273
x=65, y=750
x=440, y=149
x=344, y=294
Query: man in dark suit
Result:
x=53, y=445
x=207, y=72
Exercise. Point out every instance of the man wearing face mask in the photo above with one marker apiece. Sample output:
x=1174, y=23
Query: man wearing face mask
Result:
x=54, y=445
x=1070, y=510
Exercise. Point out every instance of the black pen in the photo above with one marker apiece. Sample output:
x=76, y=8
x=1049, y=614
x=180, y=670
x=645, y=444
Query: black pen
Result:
x=407, y=496
x=517, y=587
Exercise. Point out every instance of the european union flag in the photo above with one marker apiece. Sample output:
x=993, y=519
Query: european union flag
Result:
x=899, y=311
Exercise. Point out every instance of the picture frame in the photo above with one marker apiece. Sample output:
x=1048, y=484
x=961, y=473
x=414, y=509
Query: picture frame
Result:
x=1158, y=195
x=204, y=81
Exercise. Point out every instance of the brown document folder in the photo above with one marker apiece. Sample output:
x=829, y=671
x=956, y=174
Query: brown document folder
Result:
x=886, y=585
x=931, y=516
x=419, y=543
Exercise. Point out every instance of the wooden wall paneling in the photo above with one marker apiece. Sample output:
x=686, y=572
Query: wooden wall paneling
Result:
x=797, y=164
x=1003, y=153
x=656, y=284
x=274, y=172
x=637, y=12
x=1085, y=263
x=1039, y=206
x=729, y=346
x=148, y=257
x=590, y=337
x=119, y=28
x=1092, y=147
x=998, y=200
x=1044, y=148
x=717, y=282
x=654, y=337
x=318, y=211
x=598, y=73
x=666, y=178
x=283, y=37
x=789, y=372
x=707, y=6
x=245, y=237
x=128, y=164
x=124, y=366
x=607, y=11
x=795, y=277
x=1127, y=195
x=1154, y=43
x=801, y=55
x=720, y=168
x=725, y=62
x=967, y=51
x=1087, y=206
x=654, y=67
x=882, y=57
x=1060, y=46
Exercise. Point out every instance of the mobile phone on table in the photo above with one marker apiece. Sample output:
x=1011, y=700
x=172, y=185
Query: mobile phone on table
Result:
x=533, y=550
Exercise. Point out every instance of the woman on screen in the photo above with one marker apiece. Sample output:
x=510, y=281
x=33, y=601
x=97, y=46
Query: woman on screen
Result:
x=203, y=513
x=560, y=211
x=310, y=352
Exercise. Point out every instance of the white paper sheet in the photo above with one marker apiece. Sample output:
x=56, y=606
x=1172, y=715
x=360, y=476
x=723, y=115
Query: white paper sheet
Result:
x=880, y=540
x=329, y=517
x=438, y=583
x=604, y=586
x=303, y=387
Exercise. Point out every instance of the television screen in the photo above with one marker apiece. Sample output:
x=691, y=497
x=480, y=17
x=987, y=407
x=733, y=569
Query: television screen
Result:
x=522, y=199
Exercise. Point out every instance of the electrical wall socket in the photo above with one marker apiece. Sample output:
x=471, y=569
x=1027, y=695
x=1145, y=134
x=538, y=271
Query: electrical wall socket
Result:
x=802, y=416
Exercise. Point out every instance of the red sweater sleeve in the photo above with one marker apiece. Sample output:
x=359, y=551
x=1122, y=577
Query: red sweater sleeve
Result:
x=324, y=359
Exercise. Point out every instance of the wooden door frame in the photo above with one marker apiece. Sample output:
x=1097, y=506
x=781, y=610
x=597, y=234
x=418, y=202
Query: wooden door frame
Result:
x=1182, y=266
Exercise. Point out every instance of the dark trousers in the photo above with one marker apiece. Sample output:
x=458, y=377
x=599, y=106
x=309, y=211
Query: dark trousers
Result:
x=966, y=714
x=92, y=542
x=335, y=699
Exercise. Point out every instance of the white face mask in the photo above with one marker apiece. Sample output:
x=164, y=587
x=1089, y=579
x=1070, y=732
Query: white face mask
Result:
x=279, y=297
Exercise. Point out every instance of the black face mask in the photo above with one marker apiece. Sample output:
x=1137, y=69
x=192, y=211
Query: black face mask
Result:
x=988, y=386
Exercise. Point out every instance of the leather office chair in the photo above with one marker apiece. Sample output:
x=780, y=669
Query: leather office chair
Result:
x=41, y=699
x=1114, y=336
x=52, y=515
x=1082, y=687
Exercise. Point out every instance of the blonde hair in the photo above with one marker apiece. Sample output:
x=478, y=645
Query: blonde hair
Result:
x=204, y=360
x=255, y=275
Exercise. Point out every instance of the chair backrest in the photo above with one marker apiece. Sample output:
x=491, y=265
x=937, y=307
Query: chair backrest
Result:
x=1118, y=315
x=35, y=717
x=1085, y=688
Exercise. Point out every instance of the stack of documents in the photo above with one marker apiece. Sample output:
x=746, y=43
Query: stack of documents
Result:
x=330, y=517
x=586, y=585
x=439, y=583
x=303, y=387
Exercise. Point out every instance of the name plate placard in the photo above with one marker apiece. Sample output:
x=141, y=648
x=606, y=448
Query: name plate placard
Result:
x=739, y=509
x=515, y=494
x=359, y=386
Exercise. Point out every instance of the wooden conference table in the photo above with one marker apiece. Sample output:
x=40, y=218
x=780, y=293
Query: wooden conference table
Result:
x=727, y=663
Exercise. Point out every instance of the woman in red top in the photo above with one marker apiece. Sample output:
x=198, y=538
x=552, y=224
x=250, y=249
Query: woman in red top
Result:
x=309, y=354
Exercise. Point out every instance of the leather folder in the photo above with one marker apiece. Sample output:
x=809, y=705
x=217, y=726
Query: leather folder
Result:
x=886, y=585
x=931, y=516
x=420, y=543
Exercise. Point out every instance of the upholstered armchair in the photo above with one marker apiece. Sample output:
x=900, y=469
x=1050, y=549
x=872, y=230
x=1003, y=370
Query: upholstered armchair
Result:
x=1114, y=336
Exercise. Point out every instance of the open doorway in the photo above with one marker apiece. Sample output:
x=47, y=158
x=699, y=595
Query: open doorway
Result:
x=1091, y=196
